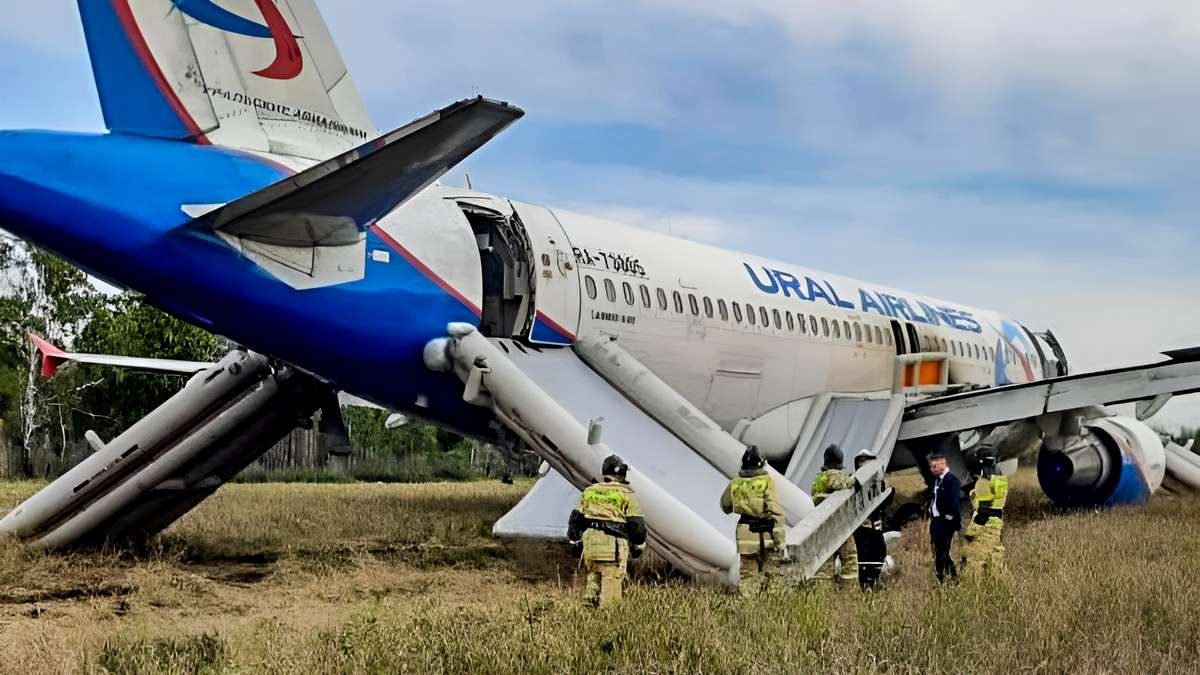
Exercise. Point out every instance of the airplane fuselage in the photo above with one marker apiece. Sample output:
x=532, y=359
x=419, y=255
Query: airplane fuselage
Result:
x=736, y=334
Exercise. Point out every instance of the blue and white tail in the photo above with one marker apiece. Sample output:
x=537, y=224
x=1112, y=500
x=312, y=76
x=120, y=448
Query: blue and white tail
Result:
x=261, y=75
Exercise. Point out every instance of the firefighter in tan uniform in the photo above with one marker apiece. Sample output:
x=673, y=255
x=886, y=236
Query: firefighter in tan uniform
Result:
x=831, y=479
x=610, y=525
x=984, y=551
x=760, y=532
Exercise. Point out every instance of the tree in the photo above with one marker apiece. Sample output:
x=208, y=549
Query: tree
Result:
x=127, y=326
x=48, y=296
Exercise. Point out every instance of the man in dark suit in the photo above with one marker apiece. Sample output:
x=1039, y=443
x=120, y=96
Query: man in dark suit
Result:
x=945, y=512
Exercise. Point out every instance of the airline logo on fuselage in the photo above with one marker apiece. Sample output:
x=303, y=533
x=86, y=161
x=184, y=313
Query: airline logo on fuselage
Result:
x=808, y=289
x=288, y=60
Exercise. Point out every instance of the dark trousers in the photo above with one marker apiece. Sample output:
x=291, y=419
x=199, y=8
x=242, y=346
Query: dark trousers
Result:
x=941, y=534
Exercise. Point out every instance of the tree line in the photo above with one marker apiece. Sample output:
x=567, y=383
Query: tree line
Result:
x=43, y=421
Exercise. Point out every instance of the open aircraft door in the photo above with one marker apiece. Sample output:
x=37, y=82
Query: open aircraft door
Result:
x=556, y=292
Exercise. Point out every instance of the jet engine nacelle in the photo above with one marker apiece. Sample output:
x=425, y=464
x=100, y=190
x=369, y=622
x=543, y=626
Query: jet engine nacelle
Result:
x=1113, y=460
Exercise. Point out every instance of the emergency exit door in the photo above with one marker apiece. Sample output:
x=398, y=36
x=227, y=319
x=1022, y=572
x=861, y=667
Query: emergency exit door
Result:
x=556, y=286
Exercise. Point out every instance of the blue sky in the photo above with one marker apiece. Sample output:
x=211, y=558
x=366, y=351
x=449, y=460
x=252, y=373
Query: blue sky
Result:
x=1035, y=158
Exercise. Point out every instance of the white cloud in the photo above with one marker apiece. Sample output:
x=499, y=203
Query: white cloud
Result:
x=887, y=104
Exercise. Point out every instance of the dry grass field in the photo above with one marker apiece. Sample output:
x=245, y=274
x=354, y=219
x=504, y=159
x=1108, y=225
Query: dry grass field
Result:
x=406, y=578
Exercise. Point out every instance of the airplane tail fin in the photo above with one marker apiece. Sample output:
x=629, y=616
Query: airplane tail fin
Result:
x=260, y=75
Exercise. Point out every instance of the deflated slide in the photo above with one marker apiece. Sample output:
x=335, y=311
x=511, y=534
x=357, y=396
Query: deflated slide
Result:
x=639, y=440
x=549, y=397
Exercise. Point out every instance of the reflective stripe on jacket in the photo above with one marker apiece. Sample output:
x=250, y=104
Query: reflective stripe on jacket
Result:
x=609, y=500
x=752, y=494
x=829, y=481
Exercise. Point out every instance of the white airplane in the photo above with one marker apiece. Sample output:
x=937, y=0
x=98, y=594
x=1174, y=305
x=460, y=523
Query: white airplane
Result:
x=243, y=188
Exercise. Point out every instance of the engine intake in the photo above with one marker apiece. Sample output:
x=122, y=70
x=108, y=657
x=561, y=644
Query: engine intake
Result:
x=1114, y=460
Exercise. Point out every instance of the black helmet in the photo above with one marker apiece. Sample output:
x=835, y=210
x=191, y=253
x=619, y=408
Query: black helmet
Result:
x=863, y=457
x=751, y=460
x=614, y=466
x=833, y=457
x=986, y=456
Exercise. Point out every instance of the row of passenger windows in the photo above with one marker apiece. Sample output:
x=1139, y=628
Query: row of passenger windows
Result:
x=799, y=322
x=963, y=349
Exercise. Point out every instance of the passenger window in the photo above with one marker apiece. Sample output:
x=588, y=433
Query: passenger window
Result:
x=662, y=299
x=678, y=302
x=791, y=322
x=762, y=312
x=723, y=309
x=857, y=332
x=737, y=312
x=846, y=327
x=887, y=335
x=628, y=291
x=750, y=314
x=825, y=326
x=812, y=323
x=837, y=330
x=590, y=284
x=610, y=291
x=645, y=295
x=803, y=324
x=878, y=335
x=707, y=307
x=693, y=305
x=975, y=348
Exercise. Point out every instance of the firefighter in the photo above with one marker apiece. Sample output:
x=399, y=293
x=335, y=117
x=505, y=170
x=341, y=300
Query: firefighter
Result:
x=868, y=538
x=760, y=532
x=984, y=549
x=610, y=526
x=831, y=479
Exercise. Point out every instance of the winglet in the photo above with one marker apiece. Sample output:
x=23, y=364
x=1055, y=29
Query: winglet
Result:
x=52, y=357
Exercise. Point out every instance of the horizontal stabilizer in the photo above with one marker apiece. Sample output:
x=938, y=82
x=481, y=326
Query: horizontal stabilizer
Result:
x=53, y=357
x=332, y=203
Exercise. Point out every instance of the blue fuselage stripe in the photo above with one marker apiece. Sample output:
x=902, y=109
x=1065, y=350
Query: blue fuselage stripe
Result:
x=111, y=204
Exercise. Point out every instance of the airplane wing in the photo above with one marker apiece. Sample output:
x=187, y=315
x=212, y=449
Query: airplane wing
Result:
x=333, y=203
x=1179, y=374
